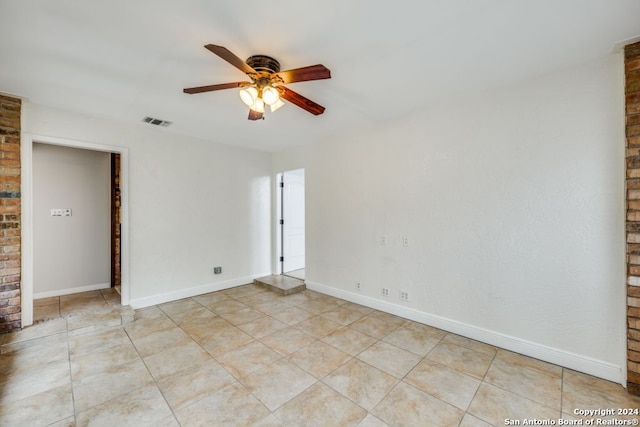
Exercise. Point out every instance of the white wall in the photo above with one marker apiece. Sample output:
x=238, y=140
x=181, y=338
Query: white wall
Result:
x=70, y=252
x=193, y=205
x=513, y=205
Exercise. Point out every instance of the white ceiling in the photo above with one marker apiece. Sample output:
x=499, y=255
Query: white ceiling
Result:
x=124, y=59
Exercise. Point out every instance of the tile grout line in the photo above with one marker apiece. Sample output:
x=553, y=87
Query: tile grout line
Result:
x=73, y=395
x=482, y=381
x=155, y=382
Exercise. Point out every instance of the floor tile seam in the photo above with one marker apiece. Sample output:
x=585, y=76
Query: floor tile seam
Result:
x=29, y=371
x=252, y=395
x=486, y=381
x=73, y=393
x=493, y=359
x=446, y=367
x=469, y=347
x=295, y=351
x=235, y=348
x=475, y=393
x=238, y=325
x=280, y=357
x=206, y=396
x=118, y=366
x=30, y=339
x=425, y=358
x=354, y=402
x=540, y=371
x=464, y=411
x=109, y=328
x=410, y=370
x=521, y=372
x=519, y=395
x=377, y=340
x=21, y=382
x=442, y=365
x=406, y=349
x=342, y=324
x=155, y=381
x=349, y=359
x=402, y=348
x=292, y=324
x=104, y=402
x=198, y=302
x=283, y=404
x=104, y=296
x=145, y=327
x=228, y=351
x=475, y=415
x=372, y=336
x=562, y=393
x=458, y=370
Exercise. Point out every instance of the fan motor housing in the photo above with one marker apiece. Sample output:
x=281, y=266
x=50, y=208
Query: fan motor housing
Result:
x=263, y=63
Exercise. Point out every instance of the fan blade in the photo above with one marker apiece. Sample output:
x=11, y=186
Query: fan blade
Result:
x=302, y=102
x=312, y=72
x=226, y=54
x=211, y=88
x=255, y=115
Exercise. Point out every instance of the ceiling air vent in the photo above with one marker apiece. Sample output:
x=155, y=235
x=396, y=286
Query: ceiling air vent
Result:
x=157, y=122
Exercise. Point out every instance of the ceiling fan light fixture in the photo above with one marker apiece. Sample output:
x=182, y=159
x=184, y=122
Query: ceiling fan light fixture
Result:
x=249, y=95
x=276, y=105
x=267, y=82
x=270, y=95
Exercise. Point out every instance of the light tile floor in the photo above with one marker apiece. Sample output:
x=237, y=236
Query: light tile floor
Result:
x=246, y=357
x=68, y=305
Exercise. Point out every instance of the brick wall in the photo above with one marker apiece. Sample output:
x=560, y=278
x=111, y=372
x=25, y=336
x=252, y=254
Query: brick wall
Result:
x=116, y=221
x=632, y=102
x=10, y=312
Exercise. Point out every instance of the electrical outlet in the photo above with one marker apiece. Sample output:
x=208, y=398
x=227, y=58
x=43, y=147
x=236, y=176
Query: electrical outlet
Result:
x=217, y=270
x=385, y=292
x=404, y=296
x=358, y=286
x=405, y=241
x=383, y=240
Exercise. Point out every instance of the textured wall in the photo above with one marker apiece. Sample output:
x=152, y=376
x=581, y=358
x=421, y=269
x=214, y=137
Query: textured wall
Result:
x=512, y=201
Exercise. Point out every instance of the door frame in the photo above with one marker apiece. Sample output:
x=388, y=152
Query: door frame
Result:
x=26, y=153
x=279, y=216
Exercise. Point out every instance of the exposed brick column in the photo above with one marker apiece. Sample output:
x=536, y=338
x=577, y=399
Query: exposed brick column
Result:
x=10, y=309
x=116, y=221
x=632, y=102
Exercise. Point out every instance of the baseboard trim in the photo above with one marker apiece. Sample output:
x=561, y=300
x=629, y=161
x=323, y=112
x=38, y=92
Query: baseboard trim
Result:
x=577, y=362
x=191, y=292
x=69, y=291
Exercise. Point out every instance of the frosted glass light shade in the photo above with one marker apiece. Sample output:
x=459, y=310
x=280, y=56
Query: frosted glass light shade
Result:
x=276, y=105
x=258, y=105
x=270, y=95
x=249, y=95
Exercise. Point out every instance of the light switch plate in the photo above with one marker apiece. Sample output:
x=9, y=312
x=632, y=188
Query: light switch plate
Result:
x=61, y=212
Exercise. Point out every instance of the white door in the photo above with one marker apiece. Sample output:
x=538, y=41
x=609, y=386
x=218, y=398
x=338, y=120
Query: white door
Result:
x=292, y=220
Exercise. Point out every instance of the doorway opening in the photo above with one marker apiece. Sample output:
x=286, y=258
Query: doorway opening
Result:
x=27, y=301
x=292, y=223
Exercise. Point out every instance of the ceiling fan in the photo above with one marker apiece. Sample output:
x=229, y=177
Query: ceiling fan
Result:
x=267, y=86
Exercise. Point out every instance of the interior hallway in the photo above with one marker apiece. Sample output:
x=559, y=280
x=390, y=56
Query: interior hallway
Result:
x=245, y=356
